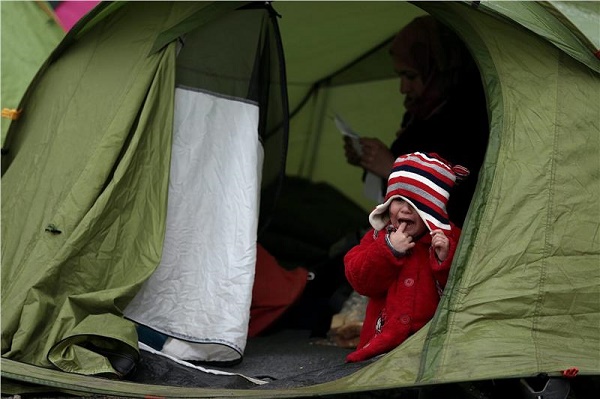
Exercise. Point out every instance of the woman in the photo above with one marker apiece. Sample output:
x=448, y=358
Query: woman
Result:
x=445, y=106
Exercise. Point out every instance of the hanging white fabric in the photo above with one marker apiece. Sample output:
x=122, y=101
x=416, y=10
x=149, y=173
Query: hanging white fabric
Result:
x=200, y=293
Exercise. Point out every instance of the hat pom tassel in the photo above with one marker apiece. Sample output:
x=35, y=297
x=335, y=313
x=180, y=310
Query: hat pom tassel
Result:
x=461, y=173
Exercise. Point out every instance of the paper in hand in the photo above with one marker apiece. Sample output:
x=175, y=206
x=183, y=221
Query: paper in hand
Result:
x=346, y=130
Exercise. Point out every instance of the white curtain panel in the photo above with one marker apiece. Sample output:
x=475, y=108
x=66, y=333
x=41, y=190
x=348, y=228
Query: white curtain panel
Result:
x=200, y=294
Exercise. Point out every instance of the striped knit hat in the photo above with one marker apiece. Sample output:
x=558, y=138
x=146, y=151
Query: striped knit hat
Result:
x=424, y=181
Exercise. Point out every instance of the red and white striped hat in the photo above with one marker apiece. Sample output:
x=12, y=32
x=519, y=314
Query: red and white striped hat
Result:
x=424, y=181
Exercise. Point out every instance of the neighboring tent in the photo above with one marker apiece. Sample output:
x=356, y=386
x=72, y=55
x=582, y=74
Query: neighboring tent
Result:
x=30, y=31
x=69, y=12
x=91, y=163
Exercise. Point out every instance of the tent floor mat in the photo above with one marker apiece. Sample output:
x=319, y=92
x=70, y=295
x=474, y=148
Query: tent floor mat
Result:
x=286, y=359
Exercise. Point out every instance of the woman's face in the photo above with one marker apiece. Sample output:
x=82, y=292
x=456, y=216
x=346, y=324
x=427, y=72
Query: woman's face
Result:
x=401, y=211
x=411, y=83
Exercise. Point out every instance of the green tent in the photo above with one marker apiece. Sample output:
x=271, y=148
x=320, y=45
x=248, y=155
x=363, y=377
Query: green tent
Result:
x=86, y=178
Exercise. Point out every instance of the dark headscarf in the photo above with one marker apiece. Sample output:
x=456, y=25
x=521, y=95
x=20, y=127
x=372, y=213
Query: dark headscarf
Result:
x=438, y=54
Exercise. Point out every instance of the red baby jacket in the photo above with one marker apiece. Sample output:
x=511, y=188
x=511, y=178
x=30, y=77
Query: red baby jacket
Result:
x=403, y=292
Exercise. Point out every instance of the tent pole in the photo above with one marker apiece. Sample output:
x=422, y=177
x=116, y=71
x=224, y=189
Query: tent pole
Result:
x=316, y=129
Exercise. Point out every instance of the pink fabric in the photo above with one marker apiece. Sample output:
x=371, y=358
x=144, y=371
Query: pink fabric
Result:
x=69, y=12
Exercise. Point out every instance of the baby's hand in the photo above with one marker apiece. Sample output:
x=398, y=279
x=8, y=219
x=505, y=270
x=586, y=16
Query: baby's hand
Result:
x=440, y=244
x=401, y=241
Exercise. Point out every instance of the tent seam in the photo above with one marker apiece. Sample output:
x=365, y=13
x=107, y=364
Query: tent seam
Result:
x=547, y=228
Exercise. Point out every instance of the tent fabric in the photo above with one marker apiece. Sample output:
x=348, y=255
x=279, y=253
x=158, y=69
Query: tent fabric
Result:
x=562, y=31
x=213, y=187
x=523, y=296
x=524, y=286
x=583, y=15
x=104, y=177
x=200, y=295
x=94, y=195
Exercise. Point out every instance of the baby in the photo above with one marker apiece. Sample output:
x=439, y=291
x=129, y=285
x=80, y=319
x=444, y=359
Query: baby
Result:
x=402, y=264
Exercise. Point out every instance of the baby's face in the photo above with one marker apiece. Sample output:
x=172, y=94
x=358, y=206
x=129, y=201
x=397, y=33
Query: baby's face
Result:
x=401, y=211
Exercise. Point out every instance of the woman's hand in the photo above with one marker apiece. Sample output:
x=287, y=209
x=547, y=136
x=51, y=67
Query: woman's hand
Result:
x=377, y=158
x=440, y=244
x=351, y=156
